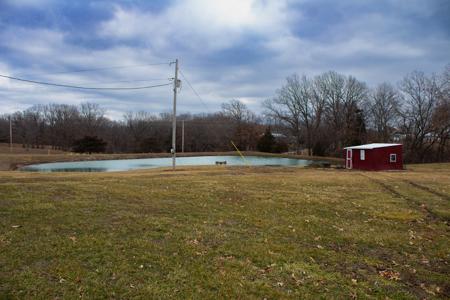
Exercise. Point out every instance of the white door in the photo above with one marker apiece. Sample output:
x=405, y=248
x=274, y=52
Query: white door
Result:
x=348, y=161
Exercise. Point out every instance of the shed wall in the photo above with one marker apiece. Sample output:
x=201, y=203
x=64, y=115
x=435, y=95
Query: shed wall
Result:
x=378, y=159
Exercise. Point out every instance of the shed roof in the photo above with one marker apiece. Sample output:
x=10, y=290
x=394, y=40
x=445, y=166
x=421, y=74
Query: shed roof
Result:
x=372, y=146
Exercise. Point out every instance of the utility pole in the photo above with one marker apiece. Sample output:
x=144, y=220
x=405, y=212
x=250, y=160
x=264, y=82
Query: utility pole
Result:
x=10, y=135
x=182, y=136
x=174, y=116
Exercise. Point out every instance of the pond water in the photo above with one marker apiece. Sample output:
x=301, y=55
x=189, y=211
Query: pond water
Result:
x=149, y=163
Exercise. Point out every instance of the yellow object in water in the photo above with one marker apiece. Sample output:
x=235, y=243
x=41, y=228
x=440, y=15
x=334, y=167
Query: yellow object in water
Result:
x=246, y=162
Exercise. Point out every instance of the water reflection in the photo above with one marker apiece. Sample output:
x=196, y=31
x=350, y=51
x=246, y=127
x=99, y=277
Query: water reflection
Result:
x=149, y=163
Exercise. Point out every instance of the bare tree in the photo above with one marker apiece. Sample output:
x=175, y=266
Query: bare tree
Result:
x=139, y=124
x=441, y=117
x=331, y=86
x=92, y=117
x=34, y=124
x=4, y=128
x=302, y=104
x=441, y=126
x=62, y=121
x=298, y=106
x=421, y=96
x=238, y=111
x=243, y=120
x=384, y=108
x=355, y=128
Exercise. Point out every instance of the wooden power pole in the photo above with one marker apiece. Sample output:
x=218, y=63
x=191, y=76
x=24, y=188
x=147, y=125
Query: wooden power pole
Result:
x=10, y=135
x=182, y=136
x=174, y=117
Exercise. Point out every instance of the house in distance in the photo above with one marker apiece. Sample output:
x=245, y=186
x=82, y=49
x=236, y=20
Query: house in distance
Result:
x=374, y=157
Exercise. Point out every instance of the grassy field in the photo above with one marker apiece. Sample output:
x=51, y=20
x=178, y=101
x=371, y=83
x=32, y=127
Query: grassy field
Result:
x=222, y=232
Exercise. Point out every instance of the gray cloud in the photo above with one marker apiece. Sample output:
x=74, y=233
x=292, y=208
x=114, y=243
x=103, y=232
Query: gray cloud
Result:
x=228, y=49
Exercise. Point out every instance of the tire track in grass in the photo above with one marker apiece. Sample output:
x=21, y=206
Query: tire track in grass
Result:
x=427, y=189
x=423, y=188
x=411, y=281
x=411, y=201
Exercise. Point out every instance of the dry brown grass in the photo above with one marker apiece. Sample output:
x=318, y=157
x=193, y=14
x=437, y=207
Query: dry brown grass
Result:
x=226, y=232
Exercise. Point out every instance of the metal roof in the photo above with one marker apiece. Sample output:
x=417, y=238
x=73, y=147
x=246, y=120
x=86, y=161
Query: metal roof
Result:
x=372, y=146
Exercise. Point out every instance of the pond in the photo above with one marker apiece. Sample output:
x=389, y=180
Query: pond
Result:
x=149, y=163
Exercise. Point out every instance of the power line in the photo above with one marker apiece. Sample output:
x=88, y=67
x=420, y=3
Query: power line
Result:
x=106, y=68
x=204, y=104
x=195, y=92
x=84, y=88
x=137, y=80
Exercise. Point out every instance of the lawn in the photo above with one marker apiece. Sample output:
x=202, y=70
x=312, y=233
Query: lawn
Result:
x=226, y=232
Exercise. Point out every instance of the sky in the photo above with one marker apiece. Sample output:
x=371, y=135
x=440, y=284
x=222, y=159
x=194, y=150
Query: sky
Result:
x=227, y=49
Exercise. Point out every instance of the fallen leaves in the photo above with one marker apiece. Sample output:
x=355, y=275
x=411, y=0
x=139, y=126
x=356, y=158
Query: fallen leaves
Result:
x=338, y=228
x=425, y=260
x=390, y=274
x=297, y=280
x=431, y=289
x=193, y=242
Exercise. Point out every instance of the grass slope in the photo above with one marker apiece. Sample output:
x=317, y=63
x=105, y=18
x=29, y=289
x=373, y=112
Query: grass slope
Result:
x=218, y=232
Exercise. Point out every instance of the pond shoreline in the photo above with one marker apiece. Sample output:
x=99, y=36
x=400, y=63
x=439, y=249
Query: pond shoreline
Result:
x=13, y=162
x=120, y=165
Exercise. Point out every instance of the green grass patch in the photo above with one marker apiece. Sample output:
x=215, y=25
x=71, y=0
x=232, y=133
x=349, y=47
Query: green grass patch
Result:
x=225, y=233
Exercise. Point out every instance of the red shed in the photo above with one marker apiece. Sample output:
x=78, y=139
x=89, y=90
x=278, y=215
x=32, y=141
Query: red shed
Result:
x=374, y=157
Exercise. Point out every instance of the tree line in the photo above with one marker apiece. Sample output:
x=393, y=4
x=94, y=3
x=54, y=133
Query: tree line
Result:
x=318, y=115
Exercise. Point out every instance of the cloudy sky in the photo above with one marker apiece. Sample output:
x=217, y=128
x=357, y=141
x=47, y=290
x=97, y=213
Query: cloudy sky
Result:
x=241, y=49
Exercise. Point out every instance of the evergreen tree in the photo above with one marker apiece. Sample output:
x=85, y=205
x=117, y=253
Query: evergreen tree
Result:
x=267, y=142
x=89, y=144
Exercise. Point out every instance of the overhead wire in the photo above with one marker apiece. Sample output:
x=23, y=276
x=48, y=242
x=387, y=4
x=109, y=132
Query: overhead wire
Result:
x=125, y=81
x=195, y=92
x=83, y=87
x=204, y=104
x=130, y=81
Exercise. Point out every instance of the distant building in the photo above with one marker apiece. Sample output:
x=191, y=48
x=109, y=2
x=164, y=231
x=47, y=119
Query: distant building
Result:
x=277, y=135
x=374, y=157
x=398, y=136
